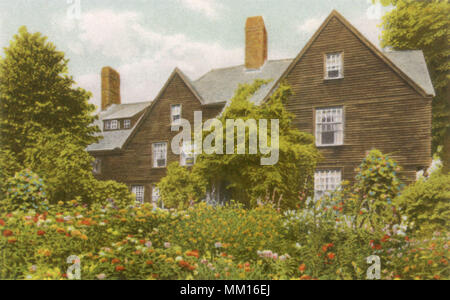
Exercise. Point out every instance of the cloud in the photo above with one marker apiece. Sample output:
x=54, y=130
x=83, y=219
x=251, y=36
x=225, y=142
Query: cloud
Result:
x=209, y=8
x=310, y=25
x=146, y=57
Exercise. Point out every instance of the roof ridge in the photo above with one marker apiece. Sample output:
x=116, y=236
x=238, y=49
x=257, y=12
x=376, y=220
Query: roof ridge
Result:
x=241, y=65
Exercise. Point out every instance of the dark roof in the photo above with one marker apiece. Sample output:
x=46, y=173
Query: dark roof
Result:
x=219, y=85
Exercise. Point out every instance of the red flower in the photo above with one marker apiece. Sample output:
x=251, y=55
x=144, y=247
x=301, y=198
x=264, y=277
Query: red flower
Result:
x=12, y=241
x=115, y=261
x=302, y=268
x=142, y=242
x=41, y=232
x=149, y=263
x=120, y=268
x=193, y=253
x=7, y=233
x=2, y=223
x=305, y=277
x=385, y=238
x=331, y=255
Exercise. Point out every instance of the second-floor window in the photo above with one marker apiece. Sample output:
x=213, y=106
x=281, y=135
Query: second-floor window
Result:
x=334, y=68
x=175, y=112
x=329, y=126
x=127, y=124
x=159, y=155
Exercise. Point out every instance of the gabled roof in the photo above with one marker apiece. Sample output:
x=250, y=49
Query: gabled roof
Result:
x=123, y=111
x=115, y=139
x=412, y=63
x=219, y=85
x=408, y=64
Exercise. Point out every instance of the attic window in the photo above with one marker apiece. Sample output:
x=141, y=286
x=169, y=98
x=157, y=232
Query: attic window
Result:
x=334, y=66
x=127, y=124
x=175, y=113
x=114, y=125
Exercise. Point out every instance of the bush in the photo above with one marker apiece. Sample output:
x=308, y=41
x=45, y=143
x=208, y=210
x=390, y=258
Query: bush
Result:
x=181, y=187
x=8, y=167
x=25, y=190
x=105, y=192
x=426, y=202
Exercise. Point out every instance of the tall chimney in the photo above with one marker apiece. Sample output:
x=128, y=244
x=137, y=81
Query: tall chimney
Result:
x=110, y=87
x=255, y=43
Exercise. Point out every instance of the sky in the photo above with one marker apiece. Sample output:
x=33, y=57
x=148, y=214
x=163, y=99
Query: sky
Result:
x=144, y=40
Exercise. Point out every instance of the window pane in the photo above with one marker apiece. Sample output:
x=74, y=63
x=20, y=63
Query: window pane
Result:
x=139, y=191
x=159, y=155
x=329, y=126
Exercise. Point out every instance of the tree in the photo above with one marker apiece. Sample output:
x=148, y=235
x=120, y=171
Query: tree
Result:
x=36, y=93
x=425, y=25
x=250, y=182
x=181, y=187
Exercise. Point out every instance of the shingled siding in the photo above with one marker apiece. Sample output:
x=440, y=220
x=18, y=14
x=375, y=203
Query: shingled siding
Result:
x=380, y=109
x=134, y=165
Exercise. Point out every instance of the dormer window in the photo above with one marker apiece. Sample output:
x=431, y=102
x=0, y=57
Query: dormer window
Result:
x=112, y=125
x=115, y=125
x=175, y=112
x=127, y=124
x=334, y=66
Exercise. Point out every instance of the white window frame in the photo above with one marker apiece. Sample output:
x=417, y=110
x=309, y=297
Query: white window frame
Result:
x=159, y=152
x=175, y=111
x=187, y=153
x=115, y=124
x=330, y=119
x=126, y=124
x=326, y=182
x=97, y=166
x=139, y=192
x=107, y=125
x=155, y=196
x=334, y=62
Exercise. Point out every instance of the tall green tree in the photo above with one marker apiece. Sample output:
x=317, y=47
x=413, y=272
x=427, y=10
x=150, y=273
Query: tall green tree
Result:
x=37, y=93
x=425, y=25
x=283, y=184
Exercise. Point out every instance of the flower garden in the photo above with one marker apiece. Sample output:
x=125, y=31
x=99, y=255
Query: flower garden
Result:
x=204, y=242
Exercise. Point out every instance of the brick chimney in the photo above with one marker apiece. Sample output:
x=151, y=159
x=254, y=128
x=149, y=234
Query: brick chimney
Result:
x=110, y=87
x=255, y=43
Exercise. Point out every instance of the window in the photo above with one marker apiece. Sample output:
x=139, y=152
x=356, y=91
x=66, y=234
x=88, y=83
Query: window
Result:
x=187, y=156
x=155, y=196
x=334, y=66
x=115, y=125
x=107, y=125
x=175, y=114
x=159, y=155
x=326, y=181
x=127, y=124
x=329, y=126
x=97, y=166
x=139, y=191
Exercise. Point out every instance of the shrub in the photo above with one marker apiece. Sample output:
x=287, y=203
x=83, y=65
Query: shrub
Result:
x=25, y=190
x=181, y=187
x=8, y=167
x=426, y=202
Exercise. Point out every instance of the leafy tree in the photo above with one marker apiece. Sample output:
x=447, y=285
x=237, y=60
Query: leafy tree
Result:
x=8, y=167
x=426, y=202
x=37, y=93
x=425, y=25
x=250, y=182
x=181, y=187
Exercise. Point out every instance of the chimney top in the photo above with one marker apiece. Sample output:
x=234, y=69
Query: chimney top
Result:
x=110, y=87
x=255, y=43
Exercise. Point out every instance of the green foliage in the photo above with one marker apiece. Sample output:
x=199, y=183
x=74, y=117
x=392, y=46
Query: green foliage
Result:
x=426, y=202
x=109, y=192
x=25, y=190
x=8, y=167
x=63, y=163
x=425, y=25
x=250, y=182
x=36, y=93
x=181, y=187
